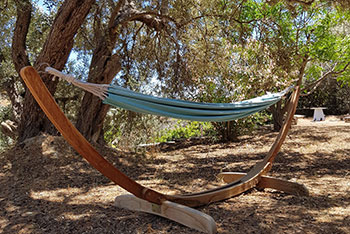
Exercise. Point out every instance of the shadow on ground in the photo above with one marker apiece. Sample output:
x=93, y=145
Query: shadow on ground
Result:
x=47, y=188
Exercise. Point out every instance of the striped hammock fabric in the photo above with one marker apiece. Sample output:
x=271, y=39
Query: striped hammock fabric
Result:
x=179, y=109
x=213, y=112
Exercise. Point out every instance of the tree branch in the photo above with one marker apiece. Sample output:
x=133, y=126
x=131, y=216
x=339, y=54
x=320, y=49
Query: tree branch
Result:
x=164, y=7
x=314, y=85
x=127, y=12
x=152, y=22
x=116, y=10
x=342, y=70
x=5, y=5
x=213, y=15
x=306, y=3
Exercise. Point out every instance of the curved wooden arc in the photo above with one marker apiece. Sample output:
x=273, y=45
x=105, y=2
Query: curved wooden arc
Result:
x=249, y=180
x=78, y=142
x=83, y=147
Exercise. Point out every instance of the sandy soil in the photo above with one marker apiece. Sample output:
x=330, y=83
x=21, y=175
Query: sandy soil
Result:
x=45, y=187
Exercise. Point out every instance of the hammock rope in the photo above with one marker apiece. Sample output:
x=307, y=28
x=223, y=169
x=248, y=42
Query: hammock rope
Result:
x=99, y=90
x=215, y=112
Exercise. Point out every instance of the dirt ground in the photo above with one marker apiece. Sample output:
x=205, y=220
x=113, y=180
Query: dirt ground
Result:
x=45, y=187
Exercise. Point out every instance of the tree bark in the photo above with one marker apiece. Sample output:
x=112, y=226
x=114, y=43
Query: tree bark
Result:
x=278, y=110
x=105, y=65
x=18, y=51
x=15, y=98
x=19, y=54
x=278, y=113
x=103, y=68
x=55, y=52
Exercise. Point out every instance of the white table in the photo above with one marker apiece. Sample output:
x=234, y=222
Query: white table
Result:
x=318, y=113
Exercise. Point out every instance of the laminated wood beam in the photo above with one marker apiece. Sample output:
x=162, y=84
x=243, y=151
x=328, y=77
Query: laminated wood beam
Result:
x=179, y=213
x=286, y=186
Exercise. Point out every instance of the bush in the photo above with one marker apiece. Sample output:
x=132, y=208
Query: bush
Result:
x=127, y=130
x=185, y=130
x=230, y=131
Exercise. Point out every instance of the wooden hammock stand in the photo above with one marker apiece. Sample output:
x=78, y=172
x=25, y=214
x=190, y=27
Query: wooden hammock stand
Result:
x=174, y=207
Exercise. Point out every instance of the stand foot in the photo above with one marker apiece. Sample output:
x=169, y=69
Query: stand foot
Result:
x=269, y=182
x=181, y=214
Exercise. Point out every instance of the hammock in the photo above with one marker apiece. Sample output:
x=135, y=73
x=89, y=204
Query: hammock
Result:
x=174, y=207
x=179, y=109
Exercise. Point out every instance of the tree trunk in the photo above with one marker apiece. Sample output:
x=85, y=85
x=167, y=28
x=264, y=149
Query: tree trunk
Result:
x=279, y=111
x=277, y=116
x=15, y=98
x=55, y=52
x=19, y=54
x=104, y=67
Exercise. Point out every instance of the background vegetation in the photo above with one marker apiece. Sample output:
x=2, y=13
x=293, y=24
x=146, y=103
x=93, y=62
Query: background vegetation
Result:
x=209, y=51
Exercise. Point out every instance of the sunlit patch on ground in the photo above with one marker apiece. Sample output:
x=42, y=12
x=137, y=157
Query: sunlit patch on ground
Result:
x=46, y=187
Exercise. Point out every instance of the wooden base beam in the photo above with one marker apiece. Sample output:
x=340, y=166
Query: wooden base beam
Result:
x=179, y=213
x=269, y=182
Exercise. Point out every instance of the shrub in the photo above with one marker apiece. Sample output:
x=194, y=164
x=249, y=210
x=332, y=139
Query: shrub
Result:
x=185, y=130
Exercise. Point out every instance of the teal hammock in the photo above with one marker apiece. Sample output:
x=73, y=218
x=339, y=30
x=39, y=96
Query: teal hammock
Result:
x=179, y=109
x=196, y=111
